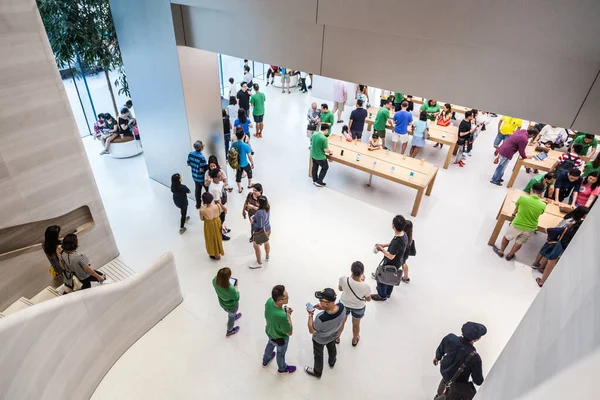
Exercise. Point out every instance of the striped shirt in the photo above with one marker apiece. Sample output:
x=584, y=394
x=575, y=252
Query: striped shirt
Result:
x=76, y=263
x=197, y=162
x=574, y=157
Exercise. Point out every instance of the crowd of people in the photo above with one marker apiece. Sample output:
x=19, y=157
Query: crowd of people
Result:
x=107, y=128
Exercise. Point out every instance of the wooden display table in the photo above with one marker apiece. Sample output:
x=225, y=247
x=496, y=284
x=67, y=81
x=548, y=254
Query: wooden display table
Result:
x=458, y=109
x=440, y=134
x=549, y=219
x=380, y=163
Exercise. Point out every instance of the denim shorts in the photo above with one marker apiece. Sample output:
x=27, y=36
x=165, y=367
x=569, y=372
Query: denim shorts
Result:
x=357, y=313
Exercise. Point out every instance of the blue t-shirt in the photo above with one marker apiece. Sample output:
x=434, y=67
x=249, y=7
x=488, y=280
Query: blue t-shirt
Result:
x=243, y=150
x=420, y=127
x=244, y=126
x=402, y=118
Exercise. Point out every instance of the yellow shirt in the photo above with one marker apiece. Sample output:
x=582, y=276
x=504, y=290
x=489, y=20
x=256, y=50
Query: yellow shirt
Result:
x=509, y=125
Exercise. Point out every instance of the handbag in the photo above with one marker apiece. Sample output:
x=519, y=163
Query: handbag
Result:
x=76, y=283
x=459, y=390
x=412, y=251
x=312, y=126
x=260, y=237
x=388, y=274
x=350, y=287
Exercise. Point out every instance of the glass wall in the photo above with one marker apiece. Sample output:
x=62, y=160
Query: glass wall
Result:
x=233, y=67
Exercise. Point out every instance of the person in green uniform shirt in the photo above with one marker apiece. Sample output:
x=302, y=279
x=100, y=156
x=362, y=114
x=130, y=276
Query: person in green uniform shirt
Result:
x=586, y=141
x=257, y=101
x=431, y=108
x=229, y=298
x=318, y=152
x=592, y=166
x=279, y=329
x=398, y=99
x=327, y=117
x=547, y=180
x=381, y=120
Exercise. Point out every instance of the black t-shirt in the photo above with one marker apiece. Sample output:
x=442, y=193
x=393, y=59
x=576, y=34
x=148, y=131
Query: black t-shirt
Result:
x=411, y=105
x=244, y=99
x=397, y=248
x=125, y=132
x=465, y=126
x=226, y=126
x=358, y=117
x=180, y=196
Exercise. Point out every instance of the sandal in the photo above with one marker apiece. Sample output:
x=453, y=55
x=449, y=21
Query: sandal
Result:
x=407, y=280
x=355, y=343
x=240, y=190
x=539, y=282
x=509, y=257
x=498, y=252
x=337, y=340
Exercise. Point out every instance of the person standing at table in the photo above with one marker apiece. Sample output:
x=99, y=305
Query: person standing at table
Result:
x=381, y=121
x=318, y=152
x=465, y=130
x=431, y=108
x=258, y=111
x=314, y=119
x=547, y=180
x=567, y=183
x=324, y=329
x=357, y=120
x=418, y=140
x=340, y=95
x=243, y=97
x=402, y=123
x=587, y=142
x=588, y=191
x=285, y=78
x=394, y=256
x=398, y=99
x=525, y=222
x=327, y=117
x=517, y=142
x=411, y=104
x=303, y=88
x=444, y=119
x=592, y=166
x=279, y=328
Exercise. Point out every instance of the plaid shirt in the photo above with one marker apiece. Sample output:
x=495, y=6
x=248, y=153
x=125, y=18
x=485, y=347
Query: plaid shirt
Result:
x=197, y=162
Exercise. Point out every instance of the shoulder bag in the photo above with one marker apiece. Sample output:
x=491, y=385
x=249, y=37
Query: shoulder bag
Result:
x=350, y=287
x=260, y=237
x=459, y=390
x=388, y=274
x=68, y=274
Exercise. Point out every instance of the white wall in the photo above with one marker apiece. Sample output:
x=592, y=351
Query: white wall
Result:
x=62, y=348
x=323, y=89
x=560, y=328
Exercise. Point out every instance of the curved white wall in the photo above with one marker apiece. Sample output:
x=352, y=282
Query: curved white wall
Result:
x=62, y=348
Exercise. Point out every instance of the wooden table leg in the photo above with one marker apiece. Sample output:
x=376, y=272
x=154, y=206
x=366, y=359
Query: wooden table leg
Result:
x=415, y=209
x=430, y=186
x=310, y=166
x=516, y=170
x=369, y=125
x=497, y=229
x=449, y=155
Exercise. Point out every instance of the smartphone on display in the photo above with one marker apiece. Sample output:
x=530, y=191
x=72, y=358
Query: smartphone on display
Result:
x=342, y=152
x=310, y=307
x=233, y=281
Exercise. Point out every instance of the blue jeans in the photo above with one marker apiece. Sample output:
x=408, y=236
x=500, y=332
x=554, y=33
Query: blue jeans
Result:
x=499, y=139
x=502, y=164
x=281, y=349
x=231, y=316
x=384, y=291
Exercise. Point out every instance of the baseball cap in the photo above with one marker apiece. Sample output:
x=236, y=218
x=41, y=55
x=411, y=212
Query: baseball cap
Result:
x=327, y=294
x=473, y=330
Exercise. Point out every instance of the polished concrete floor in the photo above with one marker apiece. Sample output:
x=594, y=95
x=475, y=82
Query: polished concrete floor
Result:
x=317, y=234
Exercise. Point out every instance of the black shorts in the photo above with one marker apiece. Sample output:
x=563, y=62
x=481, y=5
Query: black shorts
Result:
x=258, y=118
x=238, y=173
x=357, y=134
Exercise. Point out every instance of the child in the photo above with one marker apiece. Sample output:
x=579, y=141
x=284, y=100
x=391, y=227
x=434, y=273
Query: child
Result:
x=346, y=133
x=418, y=140
x=375, y=142
x=99, y=126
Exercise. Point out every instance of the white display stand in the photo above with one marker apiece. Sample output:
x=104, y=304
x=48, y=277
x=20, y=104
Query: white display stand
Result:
x=293, y=81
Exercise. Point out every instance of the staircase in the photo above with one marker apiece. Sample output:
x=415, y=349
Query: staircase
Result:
x=115, y=269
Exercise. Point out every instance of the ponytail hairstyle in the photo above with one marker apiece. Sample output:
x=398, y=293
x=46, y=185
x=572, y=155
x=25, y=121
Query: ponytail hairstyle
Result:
x=51, y=239
x=175, y=183
x=408, y=229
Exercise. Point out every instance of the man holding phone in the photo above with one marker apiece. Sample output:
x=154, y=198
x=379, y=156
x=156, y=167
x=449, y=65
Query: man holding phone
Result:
x=279, y=329
x=324, y=328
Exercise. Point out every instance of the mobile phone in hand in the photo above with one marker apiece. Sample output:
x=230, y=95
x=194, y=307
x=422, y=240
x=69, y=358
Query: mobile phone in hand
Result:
x=310, y=307
x=233, y=281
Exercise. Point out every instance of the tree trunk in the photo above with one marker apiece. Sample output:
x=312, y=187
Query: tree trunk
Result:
x=112, y=94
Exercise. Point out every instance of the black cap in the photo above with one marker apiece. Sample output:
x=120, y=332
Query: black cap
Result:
x=327, y=294
x=473, y=330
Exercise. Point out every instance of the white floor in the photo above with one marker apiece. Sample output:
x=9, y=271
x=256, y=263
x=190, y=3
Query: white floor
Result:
x=317, y=234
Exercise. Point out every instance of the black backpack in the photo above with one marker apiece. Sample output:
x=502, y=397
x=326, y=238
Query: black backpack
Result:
x=568, y=164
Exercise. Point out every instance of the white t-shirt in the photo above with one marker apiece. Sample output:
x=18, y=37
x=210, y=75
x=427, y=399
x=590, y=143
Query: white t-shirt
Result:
x=303, y=74
x=550, y=134
x=379, y=141
x=216, y=189
x=248, y=77
x=232, y=111
x=360, y=288
x=232, y=90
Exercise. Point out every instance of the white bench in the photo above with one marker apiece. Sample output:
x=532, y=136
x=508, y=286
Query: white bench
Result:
x=125, y=147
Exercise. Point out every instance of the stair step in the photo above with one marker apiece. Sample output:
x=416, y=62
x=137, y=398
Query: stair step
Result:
x=18, y=305
x=46, y=294
x=116, y=270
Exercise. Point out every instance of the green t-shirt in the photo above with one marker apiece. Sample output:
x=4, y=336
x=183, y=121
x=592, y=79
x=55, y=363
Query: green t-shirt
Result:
x=398, y=97
x=533, y=181
x=318, y=146
x=586, y=146
x=381, y=119
x=529, y=209
x=328, y=118
x=258, y=101
x=227, y=297
x=589, y=168
x=430, y=109
x=278, y=325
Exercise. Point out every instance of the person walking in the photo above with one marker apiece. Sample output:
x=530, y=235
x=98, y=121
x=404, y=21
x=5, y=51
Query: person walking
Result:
x=246, y=162
x=257, y=101
x=180, y=199
x=402, y=123
x=227, y=126
x=228, y=295
x=355, y=294
x=459, y=361
x=340, y=95
x=465, y=130
x=279, y=328
x=232, y=109
x=411, y=250
x=324, y=329
x=314, y=119
x=525, y=222
x=261, y=231
x=52, y=249
x=243, y=98
x=381, y=121
x=357, y=121
x=318, y=152
x=78, y=263
x=393, y=256
x=197, y=163
x=244, y=122
x=232, y=87
x=251, y=205
x=517, y=142
x=210, y=213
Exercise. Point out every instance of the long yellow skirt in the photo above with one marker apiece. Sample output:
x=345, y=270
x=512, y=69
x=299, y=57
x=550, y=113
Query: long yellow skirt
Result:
x=213, y=237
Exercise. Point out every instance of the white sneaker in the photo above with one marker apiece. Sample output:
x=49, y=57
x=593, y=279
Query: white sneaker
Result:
x=267, y=258
x=255, y=265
